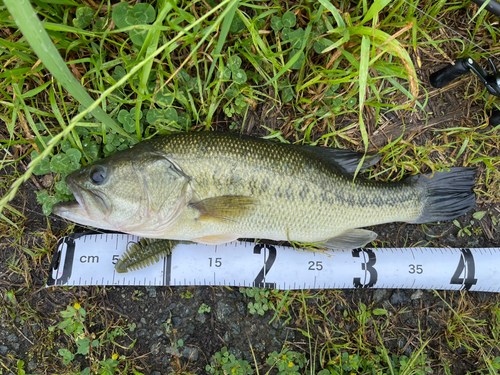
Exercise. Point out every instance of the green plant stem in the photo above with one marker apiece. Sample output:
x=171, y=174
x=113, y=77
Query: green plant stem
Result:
x=54, y=141
x=34, y=32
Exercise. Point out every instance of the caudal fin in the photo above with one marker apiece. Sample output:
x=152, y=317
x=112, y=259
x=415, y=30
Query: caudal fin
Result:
x=447, y=195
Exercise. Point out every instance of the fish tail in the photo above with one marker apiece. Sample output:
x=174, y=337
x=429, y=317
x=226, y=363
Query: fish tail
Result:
x=447, y=194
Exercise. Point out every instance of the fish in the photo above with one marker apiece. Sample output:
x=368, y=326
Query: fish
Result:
x=216, y=187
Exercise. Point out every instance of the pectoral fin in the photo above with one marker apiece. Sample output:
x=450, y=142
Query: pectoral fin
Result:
x=350, y=239
x=228, y=207
x=217, y=239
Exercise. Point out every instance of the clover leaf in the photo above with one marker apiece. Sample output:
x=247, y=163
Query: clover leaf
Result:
x=285, y=34
x=297, y=64
x=125, y=15
x=127, y=119
x=287, y=94
x=234, y=62
x=60, y=163
x=46, y=201
x=240, y=76
x=322, y=25
x=296, y=38
x=276, y=23
x=151, y=83
x=115, y=142
x=231, y=93
x=332, y=89
x=62, y=189
x=164, y=99
x=321, y=44
x=74, y=155
x=43, y=166
x=237, y=25
x=335, y=104
x=190, y=82
x=83, y=17
x=118, y=73
x=226, y=73
x=99, y=24
x=140, y=14
x=183, y=119
x=90, y=148
x=289, y=19
x=138, y=37
x=167, y=115
x=352, y=102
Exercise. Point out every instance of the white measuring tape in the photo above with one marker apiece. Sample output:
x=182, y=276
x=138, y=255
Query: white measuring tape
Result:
x=89, y=260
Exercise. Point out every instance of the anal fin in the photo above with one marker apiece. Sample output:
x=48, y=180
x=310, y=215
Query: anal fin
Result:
x=217, y=239
x=350, y=239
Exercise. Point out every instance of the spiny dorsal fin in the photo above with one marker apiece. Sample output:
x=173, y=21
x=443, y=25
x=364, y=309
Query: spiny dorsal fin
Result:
x=227, y=207
x=344, y=160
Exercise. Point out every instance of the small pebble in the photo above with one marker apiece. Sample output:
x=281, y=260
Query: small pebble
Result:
x=12, y=338
x=151, y=291
x=176, y=322
x=190, y=353
x=399, y=298
x=417, y=294
x=379, y=295
x=223, y=312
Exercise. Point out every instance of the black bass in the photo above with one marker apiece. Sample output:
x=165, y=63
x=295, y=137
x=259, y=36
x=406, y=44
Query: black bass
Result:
x=213, y=188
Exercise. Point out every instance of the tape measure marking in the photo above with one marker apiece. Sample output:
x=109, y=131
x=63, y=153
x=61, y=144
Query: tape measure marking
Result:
x=88, y=259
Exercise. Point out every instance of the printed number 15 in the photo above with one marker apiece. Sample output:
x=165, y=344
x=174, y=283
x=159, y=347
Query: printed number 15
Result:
x=217, y=262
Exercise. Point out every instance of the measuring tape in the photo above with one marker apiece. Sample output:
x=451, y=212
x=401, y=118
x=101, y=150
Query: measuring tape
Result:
x=89, y=260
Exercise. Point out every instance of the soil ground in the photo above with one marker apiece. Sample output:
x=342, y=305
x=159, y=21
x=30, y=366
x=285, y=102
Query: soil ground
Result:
x=163, y=315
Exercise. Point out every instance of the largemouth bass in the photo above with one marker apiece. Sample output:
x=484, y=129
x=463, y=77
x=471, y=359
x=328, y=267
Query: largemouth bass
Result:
x=213, y=188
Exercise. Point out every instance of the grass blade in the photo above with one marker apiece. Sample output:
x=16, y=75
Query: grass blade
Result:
x=226, y=24
x=31, y=27
x=363, y=79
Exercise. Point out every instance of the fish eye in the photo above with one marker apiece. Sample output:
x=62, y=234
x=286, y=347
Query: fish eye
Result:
x=97, y=175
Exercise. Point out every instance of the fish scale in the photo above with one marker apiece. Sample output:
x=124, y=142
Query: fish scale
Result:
x=279, y=174
x=213, y=188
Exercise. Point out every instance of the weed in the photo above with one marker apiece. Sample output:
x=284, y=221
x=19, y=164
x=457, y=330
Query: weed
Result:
x=261, y=304
x=463, y=230
x=226, y=363
x=287, y=361
x=187, y=295
x=89, y=344
x=334, y=74
x=204, y=309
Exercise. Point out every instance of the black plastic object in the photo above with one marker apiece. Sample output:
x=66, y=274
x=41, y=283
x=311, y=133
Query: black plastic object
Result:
x=492, y=7
x=495, y=117
x=445, y=76
x=463, y=66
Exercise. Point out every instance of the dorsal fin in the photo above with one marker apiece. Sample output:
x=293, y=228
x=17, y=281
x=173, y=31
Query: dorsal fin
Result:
x=344, y=160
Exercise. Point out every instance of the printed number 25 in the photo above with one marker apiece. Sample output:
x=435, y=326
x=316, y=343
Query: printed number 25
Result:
x=315, y=266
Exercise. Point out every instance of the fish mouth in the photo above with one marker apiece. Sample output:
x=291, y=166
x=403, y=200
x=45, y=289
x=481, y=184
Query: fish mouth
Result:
x=85, y=208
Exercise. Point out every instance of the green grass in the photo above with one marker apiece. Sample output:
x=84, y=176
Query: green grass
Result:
x=311, y=72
